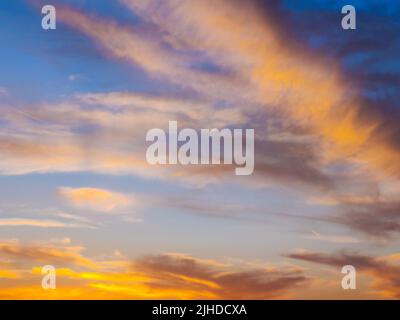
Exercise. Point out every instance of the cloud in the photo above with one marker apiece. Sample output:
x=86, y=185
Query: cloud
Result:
x=164, y=276
x=182, y=271
x=145, y=50
x=180, y=276
x=7, y=274
x=298, y=85
x=377, y=219
x=99, y=132
x=382, y=270
x=326, y=131
x=190, y=112
x=74, y=77
x=331, y=238
x=95, y=199
x=265, y=78
x=45, y=252
x=367, y=206
x=292, y=163
x=64, y=155
x=22, y=222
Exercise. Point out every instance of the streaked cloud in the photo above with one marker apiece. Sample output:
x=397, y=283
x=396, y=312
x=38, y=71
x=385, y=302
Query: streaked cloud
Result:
x=378, y=219
x=181, y=271
x=45, y=252
x=22, y=222
x=324, y=109
x=331, y=238
x=165, y=276
x=384, y=273
x=296, y=85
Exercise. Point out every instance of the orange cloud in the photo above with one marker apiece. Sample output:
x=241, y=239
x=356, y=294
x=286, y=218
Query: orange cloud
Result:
x=288, y=82
x=45, y=252
x=9, y=274
x=95, y=199
x=308, y=89
x=180, y=276
x=166, y=276
x=18, y=222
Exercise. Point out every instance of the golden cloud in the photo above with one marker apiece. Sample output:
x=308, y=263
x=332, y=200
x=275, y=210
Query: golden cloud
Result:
x=95, y=199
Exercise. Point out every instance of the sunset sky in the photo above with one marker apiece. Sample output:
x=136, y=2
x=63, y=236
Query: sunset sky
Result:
x=76, y=191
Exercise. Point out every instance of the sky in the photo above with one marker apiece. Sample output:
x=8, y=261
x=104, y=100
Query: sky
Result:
x=77, y=193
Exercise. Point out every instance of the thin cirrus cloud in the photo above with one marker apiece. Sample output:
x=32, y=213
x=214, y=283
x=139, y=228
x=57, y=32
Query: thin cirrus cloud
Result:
x=311, y=96
x=23, y=222
x=342, y=128
x=316, y=134
x=332, y=238
x=296, y=85
x=301, y=86
x=54, y=141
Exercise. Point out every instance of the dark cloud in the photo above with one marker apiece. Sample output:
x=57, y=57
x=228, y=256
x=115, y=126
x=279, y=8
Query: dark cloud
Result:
x=337, y=260
x=385, y=273
x=368, y=56
x=291, y=162
x=380, y=219
x=248, y=284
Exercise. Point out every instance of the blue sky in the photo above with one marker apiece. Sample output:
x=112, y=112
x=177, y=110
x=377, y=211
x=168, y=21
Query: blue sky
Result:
x=76, y=190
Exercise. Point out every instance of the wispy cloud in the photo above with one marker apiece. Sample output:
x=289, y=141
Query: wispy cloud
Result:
x=164, y=276
x=181, y=271
x=331, y=238
x=322, y=134
x=298, y=86
x=45, y=252
x=22, y=222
